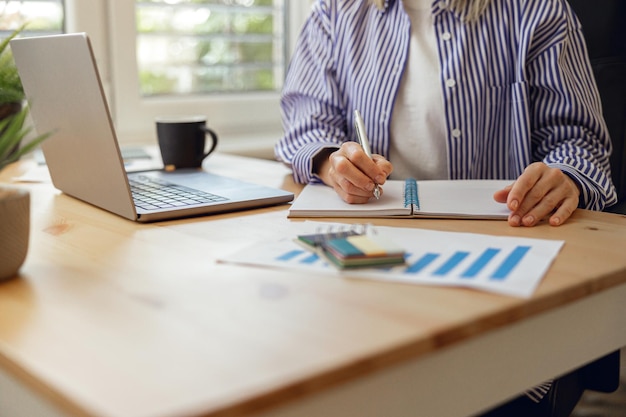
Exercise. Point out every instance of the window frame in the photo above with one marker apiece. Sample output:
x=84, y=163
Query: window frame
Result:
x=237, y=116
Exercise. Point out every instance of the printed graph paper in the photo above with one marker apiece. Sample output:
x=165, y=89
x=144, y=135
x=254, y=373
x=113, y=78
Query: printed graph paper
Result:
x=503, y=264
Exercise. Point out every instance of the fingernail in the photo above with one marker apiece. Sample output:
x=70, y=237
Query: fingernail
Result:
x=380, y=179
x=528, y=220
x=514, y=204
x=516, y=220
x=370, y=186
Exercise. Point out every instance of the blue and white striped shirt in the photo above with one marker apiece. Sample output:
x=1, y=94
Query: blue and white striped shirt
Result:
x=517, y=88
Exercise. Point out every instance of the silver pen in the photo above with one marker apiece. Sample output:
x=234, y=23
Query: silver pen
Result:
x=359, y=126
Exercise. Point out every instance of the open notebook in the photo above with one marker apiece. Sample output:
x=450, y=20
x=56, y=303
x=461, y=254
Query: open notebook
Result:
x=409, y=198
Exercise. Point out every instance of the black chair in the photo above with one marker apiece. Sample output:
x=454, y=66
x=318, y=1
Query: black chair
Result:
x=603, y=23
x=604, y=27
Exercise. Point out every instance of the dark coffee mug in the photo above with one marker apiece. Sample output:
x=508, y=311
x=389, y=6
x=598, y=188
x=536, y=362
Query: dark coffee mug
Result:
x=182, y=141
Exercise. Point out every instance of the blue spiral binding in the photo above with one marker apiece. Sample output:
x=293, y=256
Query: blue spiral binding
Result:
x=411, y=195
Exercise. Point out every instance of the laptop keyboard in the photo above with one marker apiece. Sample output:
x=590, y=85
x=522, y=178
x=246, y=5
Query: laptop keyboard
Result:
x=151, y=193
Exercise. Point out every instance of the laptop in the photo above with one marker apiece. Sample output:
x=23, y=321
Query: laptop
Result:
x=63, y=86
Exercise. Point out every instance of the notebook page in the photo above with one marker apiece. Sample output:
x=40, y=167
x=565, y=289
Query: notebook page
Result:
x=461, y=198
x=318, y=200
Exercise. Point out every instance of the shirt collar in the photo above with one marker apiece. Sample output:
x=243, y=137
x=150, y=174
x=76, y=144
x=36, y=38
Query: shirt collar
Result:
x=437, y=7
x=388, y=3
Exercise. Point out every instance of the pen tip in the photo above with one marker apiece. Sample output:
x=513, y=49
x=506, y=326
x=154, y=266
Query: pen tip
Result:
x=377, y=192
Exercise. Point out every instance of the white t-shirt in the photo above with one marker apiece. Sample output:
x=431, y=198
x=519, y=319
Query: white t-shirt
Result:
x=418, y=132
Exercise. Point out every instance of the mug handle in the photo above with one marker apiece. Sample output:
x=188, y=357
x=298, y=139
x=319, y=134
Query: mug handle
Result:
x=213, y=135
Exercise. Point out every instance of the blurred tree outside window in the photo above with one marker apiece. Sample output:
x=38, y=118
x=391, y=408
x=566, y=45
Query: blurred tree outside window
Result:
x=188, y=47
x=42, y=17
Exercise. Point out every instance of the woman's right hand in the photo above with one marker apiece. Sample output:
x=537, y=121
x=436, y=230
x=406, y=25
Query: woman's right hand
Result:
x=352, y=174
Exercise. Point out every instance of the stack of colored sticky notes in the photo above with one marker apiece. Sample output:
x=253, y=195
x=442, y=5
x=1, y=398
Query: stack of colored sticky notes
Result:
x=354, y=250
x=362, y=251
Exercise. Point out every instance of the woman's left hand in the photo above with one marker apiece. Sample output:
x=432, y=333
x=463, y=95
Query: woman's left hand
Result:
x=540, y=191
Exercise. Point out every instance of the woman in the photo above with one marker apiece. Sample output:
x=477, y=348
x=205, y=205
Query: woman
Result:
x=449, y=89
x=453, y=89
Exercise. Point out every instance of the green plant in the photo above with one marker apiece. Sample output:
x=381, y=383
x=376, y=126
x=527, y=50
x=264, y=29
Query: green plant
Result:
x=12, y=131
x=12, y=112
x=11, y=90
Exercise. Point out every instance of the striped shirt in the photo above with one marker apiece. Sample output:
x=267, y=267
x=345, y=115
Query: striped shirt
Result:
x=517, y=88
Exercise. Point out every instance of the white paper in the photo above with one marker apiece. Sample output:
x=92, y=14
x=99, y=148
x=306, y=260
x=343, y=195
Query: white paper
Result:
x=502, y=264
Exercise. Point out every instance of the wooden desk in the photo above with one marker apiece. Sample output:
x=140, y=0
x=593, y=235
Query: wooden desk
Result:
x=116, y=319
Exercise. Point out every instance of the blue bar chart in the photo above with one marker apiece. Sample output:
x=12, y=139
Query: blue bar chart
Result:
x=448, y=265
x=477, y=266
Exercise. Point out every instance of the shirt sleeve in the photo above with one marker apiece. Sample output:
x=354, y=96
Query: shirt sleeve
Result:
x=569, y=131
x=312, y=115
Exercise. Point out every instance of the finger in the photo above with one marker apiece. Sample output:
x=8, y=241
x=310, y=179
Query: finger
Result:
x=502, y=195
x=546, y=205
x=554, y=193
x=343, y=185
x=385, y=167
x=349, y=176
x=359, y=169
x=373, y=168
x=564, y=212
x=543, y=190
x=524, y=184
x=351, y=194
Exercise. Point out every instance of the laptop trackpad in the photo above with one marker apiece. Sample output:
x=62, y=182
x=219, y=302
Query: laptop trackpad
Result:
x=229, y=188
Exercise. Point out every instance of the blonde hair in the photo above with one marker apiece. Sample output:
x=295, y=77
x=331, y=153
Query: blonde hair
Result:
x=472, y=8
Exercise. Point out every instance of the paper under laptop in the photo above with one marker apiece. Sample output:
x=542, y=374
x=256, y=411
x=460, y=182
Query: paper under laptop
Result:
x=63, y=87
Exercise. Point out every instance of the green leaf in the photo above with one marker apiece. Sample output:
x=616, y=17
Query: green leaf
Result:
x=12, y=132
x=5, y=42
x=11, y=90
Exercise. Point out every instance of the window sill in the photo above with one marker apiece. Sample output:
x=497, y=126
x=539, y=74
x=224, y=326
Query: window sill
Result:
x=259, y=145
x=252, y=145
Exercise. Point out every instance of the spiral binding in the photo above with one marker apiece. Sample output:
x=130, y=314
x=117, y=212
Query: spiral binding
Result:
x=411, y=195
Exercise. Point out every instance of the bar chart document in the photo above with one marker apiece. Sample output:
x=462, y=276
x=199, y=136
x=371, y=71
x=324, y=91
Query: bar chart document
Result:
x=503, y=264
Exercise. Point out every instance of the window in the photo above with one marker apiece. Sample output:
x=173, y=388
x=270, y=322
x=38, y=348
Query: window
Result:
x=41, y=16
x=210, y=46
x=221, y=58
